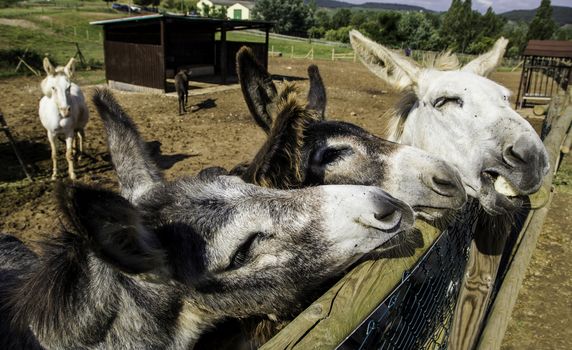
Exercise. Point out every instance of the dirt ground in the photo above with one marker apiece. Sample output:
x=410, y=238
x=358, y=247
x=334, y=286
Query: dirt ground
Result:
x=222, y=133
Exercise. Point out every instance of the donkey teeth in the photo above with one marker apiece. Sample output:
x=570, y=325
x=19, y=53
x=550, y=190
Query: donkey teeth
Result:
x=502, y=186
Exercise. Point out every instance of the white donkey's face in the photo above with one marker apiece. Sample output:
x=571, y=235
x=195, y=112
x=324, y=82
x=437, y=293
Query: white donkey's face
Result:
x=57, y=85
x=466, y=119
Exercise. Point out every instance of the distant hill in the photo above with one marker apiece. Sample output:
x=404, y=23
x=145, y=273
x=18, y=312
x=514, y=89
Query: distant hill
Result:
x=561, y=15
x=334, y=4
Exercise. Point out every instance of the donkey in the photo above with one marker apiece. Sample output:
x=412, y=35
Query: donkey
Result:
x=458, y=114
x=157, y=265
x=182, y=87
x=63, y=112
x=303, y=149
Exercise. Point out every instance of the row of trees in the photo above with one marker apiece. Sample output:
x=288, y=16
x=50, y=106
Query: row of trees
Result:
x=460, y=28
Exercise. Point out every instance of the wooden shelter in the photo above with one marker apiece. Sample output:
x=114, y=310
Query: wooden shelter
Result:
x=143, y=52
x=547, y=69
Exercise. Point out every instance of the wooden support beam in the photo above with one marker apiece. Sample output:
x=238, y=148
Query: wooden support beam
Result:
x=223, y=53
x=4, y=127
x=266, y=44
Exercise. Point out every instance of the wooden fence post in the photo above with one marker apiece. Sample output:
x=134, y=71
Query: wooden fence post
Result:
x=292, y=52
x=355, y=56
x=333, y=54
x=74, y=31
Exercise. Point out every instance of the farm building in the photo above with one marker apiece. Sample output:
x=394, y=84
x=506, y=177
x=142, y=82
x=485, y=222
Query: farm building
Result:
x=143, y=53
x=547, y=70
x=234, y=9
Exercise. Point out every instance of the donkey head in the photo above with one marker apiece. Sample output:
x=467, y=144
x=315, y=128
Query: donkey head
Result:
x=57, y=85
x=465, y=118
x=245, y=250
x=303, y=150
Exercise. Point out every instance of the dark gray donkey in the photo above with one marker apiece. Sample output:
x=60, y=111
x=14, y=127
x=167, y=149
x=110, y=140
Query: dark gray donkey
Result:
x=157, y=265
x=303, y=149
x=182, y=87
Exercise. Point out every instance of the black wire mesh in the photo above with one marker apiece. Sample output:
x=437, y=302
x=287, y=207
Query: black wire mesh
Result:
x=417, y=313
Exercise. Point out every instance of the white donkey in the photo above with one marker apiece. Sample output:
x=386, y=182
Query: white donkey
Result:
x=463, y=117
x=63, y=111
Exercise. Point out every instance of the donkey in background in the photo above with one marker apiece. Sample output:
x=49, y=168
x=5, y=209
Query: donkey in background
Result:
x=63, y=111
x=156, y=266
x=182, y=88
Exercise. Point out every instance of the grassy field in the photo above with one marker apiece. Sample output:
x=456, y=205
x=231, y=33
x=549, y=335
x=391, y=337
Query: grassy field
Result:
x=54, y=30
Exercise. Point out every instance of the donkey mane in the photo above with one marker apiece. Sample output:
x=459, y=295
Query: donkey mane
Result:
x=395, y=117
x=292, y=118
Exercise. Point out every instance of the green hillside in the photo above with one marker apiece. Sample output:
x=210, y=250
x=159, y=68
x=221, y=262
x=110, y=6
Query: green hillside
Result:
x=561, y=15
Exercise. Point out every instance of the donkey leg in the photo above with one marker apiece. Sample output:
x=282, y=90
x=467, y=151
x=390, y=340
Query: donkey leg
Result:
x=80, y=136
x=69, y=156
x=52, y=139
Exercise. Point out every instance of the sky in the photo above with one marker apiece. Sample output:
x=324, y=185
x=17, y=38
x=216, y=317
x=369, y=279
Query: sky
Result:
x=499, y=6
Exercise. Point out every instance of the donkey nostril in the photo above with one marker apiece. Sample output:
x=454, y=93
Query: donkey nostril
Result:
x=513, y=155
x=387, y=213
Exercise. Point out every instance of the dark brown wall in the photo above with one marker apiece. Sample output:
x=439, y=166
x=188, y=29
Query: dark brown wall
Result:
x=232, y=47
x=138, y=64
x=187, y=45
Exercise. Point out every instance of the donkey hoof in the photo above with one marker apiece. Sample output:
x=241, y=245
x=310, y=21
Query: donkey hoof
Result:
x=72, y=176
x=54, y=176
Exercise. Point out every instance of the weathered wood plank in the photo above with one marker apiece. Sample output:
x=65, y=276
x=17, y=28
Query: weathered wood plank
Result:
x=330, y=319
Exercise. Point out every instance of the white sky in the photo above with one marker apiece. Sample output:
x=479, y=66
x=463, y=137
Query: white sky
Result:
x=481, y=5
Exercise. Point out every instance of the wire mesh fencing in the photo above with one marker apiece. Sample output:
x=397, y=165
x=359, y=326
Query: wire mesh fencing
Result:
x=418, y=312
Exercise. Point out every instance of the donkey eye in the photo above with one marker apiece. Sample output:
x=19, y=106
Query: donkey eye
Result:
x=443, y=100
x=332, y=154
x=242, y=254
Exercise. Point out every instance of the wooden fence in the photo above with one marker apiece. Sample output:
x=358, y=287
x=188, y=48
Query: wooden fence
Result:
x=481, y=316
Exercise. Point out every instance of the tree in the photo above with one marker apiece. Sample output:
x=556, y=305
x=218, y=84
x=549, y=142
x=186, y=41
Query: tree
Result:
x=516, y=35
x=323, y=19
x=459, y=26
x=291, y=16
x=417, y=30
x=341, y=18
x=491, y=24
x=106, y=1
x=542, y=26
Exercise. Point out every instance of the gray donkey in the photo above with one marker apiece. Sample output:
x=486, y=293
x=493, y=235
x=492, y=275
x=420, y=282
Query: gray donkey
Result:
x=157, y=265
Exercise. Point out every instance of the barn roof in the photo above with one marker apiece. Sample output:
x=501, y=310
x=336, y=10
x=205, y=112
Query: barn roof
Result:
x=211, y=22
x=549, y=48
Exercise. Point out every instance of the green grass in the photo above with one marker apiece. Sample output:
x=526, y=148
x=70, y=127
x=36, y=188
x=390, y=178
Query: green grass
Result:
x=55, y=30
x=301, y=47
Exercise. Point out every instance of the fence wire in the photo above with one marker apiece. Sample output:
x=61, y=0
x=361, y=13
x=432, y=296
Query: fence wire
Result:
x=418, y=312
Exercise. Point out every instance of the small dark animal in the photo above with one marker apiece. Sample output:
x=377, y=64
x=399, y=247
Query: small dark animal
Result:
x=182, y=87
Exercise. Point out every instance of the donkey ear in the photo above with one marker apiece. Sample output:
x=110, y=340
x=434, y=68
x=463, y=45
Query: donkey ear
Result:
x=393, y=68
x=69, y=69
x=278, y=162
x=136, y=170
x=317, y=94
x=257, y=87
x=50, y=70
x=486, y=63
x=112, y=227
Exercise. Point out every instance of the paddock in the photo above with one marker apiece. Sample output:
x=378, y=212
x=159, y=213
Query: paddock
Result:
x=221, y=133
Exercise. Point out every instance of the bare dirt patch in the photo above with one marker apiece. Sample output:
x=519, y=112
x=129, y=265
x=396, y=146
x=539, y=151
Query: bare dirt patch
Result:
x=22, y=23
